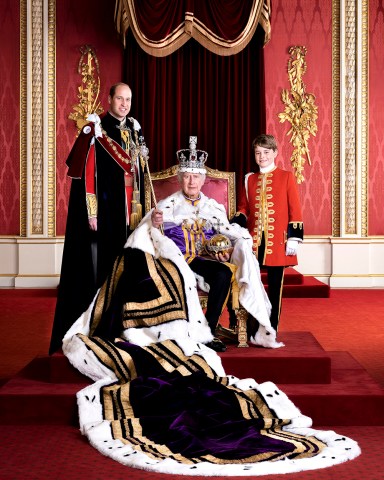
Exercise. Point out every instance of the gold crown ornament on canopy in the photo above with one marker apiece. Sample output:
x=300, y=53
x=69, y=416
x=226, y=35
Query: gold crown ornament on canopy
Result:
x=192, y=160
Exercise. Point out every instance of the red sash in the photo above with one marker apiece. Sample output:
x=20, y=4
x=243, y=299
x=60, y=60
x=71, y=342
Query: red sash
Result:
x=118, y=154
x=77, y=158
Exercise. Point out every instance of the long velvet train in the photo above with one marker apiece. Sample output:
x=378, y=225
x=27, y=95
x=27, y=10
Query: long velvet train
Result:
x=170, y=408
x=162, y=401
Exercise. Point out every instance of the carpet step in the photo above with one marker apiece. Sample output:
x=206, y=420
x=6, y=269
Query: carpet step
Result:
x=297, y=285
x=281, y=365
x=31, y=401
x=61, y=371
x=291, y=277
x=351, y=398
x=310, y=288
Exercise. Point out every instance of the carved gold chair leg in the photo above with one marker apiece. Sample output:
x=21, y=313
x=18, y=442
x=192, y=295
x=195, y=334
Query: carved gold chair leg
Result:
x=242, y=335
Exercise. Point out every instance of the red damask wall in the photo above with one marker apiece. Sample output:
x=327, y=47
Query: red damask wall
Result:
x=80, y=23
x=293, y=23
x=9, y=118
x=376, y=119
x=308, y=24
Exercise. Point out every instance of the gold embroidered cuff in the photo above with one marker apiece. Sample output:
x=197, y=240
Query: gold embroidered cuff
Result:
x=91, y=205
x=296, y=229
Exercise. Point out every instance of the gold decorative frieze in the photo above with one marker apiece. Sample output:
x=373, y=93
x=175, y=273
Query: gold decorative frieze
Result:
x=350, y=148
x=51, y=120
x=336, y=95
x=23, y=118
x=300, y=111
x=364, y=118
x=37, y=118
x=37, y=164
x=89, y=89
x=350, y=118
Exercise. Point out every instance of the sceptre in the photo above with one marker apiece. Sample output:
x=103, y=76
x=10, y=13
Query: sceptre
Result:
x=144, y=153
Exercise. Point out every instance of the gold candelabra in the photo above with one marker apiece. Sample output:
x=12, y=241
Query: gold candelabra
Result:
x=89, y=90
x=300, y=111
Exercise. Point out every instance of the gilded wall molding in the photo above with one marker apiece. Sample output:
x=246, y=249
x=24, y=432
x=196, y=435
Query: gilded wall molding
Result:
x=51, y=131
x=350, y=118
x=364, y=116
x=38, y=118
x=336, y=118
x=23, y=118
x=350, y=128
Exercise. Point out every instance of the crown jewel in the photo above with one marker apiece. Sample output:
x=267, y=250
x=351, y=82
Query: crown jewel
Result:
x=192, y=160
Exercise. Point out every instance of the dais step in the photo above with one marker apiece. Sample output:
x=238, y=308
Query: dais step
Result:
x=39, y=394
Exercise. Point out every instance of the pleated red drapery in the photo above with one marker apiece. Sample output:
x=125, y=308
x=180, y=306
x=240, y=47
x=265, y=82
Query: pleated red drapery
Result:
x=196, y=68
x=224, y=27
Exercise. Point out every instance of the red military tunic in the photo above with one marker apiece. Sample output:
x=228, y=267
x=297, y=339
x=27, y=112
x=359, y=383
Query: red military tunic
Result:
x=271, y=203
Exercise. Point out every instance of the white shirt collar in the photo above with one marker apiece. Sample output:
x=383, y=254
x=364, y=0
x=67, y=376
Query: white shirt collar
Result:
x=268, y=169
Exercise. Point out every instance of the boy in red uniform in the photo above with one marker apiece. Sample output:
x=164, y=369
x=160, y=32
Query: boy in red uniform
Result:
x=270, y=208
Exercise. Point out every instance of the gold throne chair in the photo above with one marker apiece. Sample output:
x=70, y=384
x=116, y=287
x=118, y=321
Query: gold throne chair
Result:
x=221, y=186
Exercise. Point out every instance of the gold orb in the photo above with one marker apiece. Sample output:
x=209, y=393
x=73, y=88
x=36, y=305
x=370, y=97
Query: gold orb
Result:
x=219, y=243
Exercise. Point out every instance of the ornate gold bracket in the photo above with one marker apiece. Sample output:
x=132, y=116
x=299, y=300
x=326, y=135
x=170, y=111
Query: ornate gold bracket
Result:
x=89, y=89
x=300, y=110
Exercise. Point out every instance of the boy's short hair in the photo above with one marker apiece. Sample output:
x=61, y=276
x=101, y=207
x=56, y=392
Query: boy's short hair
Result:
x=266, y=141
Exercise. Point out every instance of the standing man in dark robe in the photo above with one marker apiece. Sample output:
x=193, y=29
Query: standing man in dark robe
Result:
x=105, y=205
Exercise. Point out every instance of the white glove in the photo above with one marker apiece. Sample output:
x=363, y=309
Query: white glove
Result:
x=291, y=248
x=93, y=117
x=136, y=124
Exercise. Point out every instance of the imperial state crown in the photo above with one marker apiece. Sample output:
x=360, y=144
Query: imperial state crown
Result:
x=192, y=160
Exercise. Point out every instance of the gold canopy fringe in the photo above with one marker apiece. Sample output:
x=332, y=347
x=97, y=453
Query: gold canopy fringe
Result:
x=125, y=18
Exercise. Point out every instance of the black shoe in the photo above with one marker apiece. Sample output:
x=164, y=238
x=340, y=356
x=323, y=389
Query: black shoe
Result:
x=217, y=345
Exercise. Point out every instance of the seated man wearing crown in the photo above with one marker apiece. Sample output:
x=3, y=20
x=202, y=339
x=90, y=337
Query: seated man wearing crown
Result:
x=151, y=293
x=193, y=221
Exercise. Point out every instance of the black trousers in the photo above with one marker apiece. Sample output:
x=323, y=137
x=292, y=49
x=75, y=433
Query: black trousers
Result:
x=218, y=276
x=275, y=277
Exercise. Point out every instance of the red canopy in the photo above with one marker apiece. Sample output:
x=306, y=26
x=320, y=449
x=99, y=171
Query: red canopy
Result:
x=160, y=27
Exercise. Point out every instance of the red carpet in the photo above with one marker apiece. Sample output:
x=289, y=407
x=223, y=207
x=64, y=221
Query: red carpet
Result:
x=332, y=334
x=298, y=285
